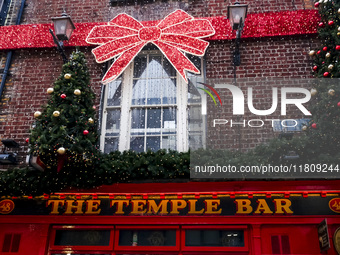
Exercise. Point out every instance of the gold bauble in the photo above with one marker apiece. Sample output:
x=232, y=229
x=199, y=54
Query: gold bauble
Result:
x=330, y=67
x=331, y=92
x=339, y=11
x=77, y=92
x=67, y=76
x=304, y=128
x=338, y=33
x=311, y=53
x=91, y=121
x=328, y=55
x=313, y=92
x=56, y=113
x=61, y=150
x=50, y=90
x=37, y=114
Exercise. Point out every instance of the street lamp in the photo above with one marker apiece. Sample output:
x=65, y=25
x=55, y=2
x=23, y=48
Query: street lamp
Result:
x=63, y=27
x=237, y=13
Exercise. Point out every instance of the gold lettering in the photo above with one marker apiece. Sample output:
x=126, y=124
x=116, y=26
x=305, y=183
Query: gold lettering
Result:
x=138, y=206
x=177, y=205
x=120, y=204
x=55, y=205
x=92, y=207
x=262, y=207
x=72, y=205
x=211, y=206
x=192, y=207
x=282, y=206
x=243, y=206
x=154, y=208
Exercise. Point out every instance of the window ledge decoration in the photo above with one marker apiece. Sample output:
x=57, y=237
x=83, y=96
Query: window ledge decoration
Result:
x=124, y=37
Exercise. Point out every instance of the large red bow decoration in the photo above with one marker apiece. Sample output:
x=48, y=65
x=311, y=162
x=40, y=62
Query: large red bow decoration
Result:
x=124, y=37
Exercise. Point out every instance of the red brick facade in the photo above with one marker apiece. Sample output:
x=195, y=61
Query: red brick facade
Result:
x=33, y=71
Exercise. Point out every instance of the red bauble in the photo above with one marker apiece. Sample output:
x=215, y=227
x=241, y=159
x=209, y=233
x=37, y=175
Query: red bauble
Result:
x=321, y=24
x=314, y=125
x=324, y=48
x=27, y=140
x=63, y=96
x=338, y=104
x=325, y=74
x=319, y=51
x=315, y=68
x=331, y=22
x=337, y=47
x=85, y=132
x=316, y=4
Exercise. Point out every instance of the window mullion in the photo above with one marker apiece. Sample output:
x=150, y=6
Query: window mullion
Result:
x=182, y=121
x=125, y=128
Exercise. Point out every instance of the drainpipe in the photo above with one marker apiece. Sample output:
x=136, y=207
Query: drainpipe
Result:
x=10, y=53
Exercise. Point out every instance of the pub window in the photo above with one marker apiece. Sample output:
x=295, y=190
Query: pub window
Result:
x=215, y=238
x=150, y=107
x=81, y=238
x=147, y=238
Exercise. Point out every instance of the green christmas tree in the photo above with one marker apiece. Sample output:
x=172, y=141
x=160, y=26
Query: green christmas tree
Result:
x=324, y=129
x=65, y=132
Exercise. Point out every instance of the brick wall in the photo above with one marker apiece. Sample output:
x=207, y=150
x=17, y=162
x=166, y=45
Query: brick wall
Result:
x=33, y=71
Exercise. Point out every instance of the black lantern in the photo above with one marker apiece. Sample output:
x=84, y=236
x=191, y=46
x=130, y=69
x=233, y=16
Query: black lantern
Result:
x=63, y=27
x=237, y=13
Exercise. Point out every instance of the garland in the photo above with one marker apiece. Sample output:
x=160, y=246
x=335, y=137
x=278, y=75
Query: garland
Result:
x=269, y=24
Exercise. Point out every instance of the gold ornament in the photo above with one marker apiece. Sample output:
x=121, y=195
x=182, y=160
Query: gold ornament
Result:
x=331, y=92
x=339, y=11
x=56, y=113
x=338, y=29
x=311, y=53
x=328, y=55
x=37, y=114
x=304, y=128
x=338, y=33
x=67, y=76
x=50, y=90
x=330, y=67
x=91, y=121
x=77, y=92
x=313, y=92
x=61, y=150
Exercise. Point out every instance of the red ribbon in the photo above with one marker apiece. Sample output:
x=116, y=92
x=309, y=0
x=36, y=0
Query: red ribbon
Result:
x=124, y=37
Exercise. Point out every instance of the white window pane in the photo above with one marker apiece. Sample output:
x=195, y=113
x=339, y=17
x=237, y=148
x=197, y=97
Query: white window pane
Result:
x=154, y=91
x=114, y=93
x=139, y=68
x=169, y=120
x=112, y=122
x=137, y=144
x=169, y=91
x=111, y=144
x=155, y=69
x=139, y=92
x=138, y=119
x=154, y=118
x=153, y=143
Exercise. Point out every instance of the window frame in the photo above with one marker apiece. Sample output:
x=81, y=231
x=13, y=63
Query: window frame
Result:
x=127, y=249
x=245, y=248
x=181, y=106
x=72, y=248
